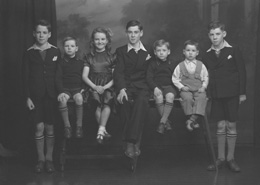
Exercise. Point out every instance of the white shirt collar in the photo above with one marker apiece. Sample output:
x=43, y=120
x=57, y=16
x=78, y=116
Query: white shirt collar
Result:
x=48, y=46
x=226, y=44
x=188, y=61
x=141, y=46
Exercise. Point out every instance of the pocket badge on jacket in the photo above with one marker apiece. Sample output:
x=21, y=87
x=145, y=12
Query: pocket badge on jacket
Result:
x=148, y=57
x=55, y=58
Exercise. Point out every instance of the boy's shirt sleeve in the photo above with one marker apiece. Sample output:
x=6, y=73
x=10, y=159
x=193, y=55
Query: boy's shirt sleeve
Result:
x=176, y=77
x=204, y=75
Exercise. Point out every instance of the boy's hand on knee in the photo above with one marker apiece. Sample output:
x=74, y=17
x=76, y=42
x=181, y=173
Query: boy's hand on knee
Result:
x=202, y=89
x=157, y=91
x=185, y=88
x=30, y=104
x=63, y=97
x=242, y=98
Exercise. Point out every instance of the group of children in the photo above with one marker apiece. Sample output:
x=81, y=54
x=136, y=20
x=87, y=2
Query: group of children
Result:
x=49, y=78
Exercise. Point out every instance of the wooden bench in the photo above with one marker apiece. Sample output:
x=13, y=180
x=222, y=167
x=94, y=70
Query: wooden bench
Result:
x=132, y=163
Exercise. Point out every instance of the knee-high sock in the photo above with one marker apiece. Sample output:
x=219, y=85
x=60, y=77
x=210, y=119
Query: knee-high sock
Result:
x=166, y=112
x=79, y=114
x=49, y=146
x=221, y=138
x=39, y=140
x=231, y=143
x=160, y=107
x=65, y=116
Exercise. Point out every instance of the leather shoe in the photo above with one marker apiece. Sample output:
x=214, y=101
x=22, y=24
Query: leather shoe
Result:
x=39, y=167
x=219, y=164
x=49, y=166
x=168, y=125
x=130, y=150
x=160, y=128
x=79, y=132
x=67, y=132
x=233, y=166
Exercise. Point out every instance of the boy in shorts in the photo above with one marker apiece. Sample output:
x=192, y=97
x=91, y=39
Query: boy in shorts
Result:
x=70, y=86
x=227, y=89
x=159, y=76
x=40, y=69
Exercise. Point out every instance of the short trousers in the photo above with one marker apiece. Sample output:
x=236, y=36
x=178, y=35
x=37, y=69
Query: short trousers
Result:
x=45, y=110
x=225, y=109
x=169, y=89
x=71, y=92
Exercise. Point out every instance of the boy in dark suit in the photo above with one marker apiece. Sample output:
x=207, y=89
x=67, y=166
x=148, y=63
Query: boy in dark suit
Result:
x=40, y=66
x=227, y=88
x=131, y=86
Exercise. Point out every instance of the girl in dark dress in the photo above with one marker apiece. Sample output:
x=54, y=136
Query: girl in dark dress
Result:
x=97, y=73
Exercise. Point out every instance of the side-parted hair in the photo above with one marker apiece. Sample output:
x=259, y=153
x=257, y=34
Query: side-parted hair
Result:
x=134, y=23
x=161, y=42
x=42, y=22
x=108, y=34
x=69, y=38
x=216, y=24
x=192, y=43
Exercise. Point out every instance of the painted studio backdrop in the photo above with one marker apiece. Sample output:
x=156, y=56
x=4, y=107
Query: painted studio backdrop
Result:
x=173, y=20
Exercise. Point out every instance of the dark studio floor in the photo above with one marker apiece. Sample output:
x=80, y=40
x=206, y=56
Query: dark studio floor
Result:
x=180, y=165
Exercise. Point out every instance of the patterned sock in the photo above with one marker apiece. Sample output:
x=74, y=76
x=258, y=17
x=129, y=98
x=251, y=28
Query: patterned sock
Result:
x=231, y=143
x=49, y=146
x=167, y=111
x=221, y=138
x=160, y=107
x=65, y=116
x=79, y=114
x=39, y=140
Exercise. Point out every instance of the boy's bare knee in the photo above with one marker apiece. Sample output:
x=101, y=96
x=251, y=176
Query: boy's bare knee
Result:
x=158, y=98
x=78, y=99
x=39, y=129
x=221, y=126
x=49, y=129
x=231, y=127
x=169, y=97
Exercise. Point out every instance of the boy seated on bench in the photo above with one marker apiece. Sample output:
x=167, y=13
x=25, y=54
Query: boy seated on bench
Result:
x=191, y=78
x=70, y=84
x=158, y=77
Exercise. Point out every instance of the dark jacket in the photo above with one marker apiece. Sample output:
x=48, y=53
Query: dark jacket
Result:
x=40, y=75
x=130, y=69
x=227, y=74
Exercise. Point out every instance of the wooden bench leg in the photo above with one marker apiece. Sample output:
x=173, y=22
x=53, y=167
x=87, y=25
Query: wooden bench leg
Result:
x=63, y=154
x=208, y=139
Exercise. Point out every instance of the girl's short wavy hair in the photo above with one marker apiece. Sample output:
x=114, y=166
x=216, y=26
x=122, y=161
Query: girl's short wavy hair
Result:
x=108, y=34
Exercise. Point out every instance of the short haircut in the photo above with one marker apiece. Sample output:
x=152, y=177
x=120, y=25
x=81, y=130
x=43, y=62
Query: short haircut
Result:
x=42, y=22
x=216, y=24
x=161, y=42
x=134, y=23
x=192, y=43
x=69, y=38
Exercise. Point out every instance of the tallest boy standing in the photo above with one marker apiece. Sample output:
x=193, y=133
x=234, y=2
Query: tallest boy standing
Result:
x=227, y=87
x=131, y=86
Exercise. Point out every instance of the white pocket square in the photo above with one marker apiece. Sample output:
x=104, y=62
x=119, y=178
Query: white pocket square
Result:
x=229, y=57
x=148, y=57
x=55, y=58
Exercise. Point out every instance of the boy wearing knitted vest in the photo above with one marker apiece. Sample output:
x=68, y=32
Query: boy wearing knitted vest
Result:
x=191, y=78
